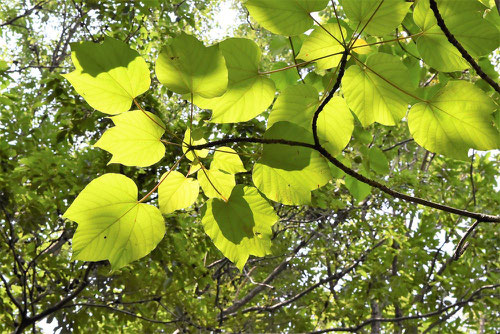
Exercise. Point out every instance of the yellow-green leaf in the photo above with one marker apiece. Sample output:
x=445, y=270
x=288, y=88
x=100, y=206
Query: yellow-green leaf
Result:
x=241, y=226
x=112, y=224
x=177, y=192
x=226, y=159
x=135, y=139
x=216, y=183
x=108, y=75
x=186, y=66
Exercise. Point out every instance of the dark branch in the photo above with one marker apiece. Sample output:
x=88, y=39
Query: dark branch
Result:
x=476, y=294
x=460, y=48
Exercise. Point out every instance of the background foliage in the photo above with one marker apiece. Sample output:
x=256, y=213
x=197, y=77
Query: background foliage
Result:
x=355, y=259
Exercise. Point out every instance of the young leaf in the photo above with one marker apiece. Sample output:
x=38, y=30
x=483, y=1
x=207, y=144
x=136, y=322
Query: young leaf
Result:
x=216, y=184
x=226, y=159
x=177, y=192
x=108, y=75
x=241, y=226
x=375, y=91
x=464, y=20
x=455, y=120
x=248, y=93
x=288, y=18
x=387, y=17
x=297, y=105
x=320, y=43
x=287, y=174
x=135, y=139
x=186, y=66
x=112, y=224
x=194, y=138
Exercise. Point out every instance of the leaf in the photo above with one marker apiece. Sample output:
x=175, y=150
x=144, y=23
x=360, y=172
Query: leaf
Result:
x=378, y=161
x=297, y=105
x=185, y=66
x=135, y=139
x=194, y=138
x=288, y=18
x=216, y=183
x=177, y=192
x=109, y=75
x=358, y=189
x=455, y=120
x=226, y=159
x=320, y=44
x=287, y=174
x=112, y=224
x=248, y=93
x=375, y=92
x=284, y=79
x=241, y=226
x=387, y=17
x=464, y=20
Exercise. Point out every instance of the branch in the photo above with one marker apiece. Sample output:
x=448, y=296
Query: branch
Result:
x=460, y=247
x=461, y=303
x=108, y=307
x=259, y=288
x=460, y=48
x=393, y=193
x=336, y=86
x=59, y=305
x=337, y=276
x=26, y=13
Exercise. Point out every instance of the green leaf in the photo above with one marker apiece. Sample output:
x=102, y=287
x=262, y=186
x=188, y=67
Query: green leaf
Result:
x=387, y=17
x=358, y=189
x=248, y=93
x=320, y=43
x=226, y=159
x=215, y=183
x=297, y=105
x=287, y=174
x=177, y=192
x=112, y=224
x=241, y=226
x=378, y=161
x=455, y=120
x=375, y=91
x=194, y=138
x=186, y=66
x=464, y=20
x=288, y=18
x=284, y=79
x=135, y=139
x=109, y=75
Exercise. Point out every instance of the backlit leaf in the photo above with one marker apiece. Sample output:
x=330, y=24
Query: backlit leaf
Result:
x=321, y=44
x=375, y=92
x=287, y=174
x=108, y=75
x=387, y=17
x=112, y=224
x=194, y=138
x=227, y=160
x=455, y=120
x=186, y=66
x=135, y=139
x=216, y=183
x=241, y=226
x=177, y=192
x=288, y=18
x=464, y=20
x=248, y=93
